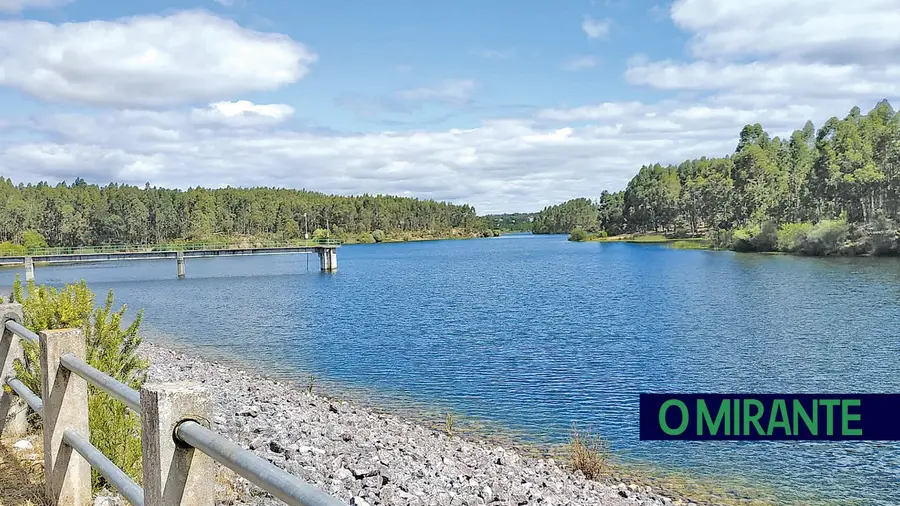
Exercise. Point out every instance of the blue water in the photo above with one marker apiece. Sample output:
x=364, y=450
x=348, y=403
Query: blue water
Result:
x=536, y=333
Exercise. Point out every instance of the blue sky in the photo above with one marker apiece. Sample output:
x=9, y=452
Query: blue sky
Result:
x=506, y=105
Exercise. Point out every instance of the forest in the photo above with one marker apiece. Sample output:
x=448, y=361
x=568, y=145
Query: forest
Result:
x=80, y=214
x=835, y=190
x=510, y=222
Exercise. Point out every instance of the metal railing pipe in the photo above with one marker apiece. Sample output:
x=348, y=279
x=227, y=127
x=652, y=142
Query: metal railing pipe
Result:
x=130, y=490
x=21, y=331
x=284, y=486
x=110, y=385
x=34, y=402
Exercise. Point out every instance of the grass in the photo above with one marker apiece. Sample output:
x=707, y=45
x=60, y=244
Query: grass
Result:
x=22, y=474
x=636, y=238
x=690, y=244
x=588, y=453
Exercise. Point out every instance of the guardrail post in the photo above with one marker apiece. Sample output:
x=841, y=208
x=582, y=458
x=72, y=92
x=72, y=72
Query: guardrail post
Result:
x=65, y=395
x=175, y=474
x=29, y=269
x=13, y=411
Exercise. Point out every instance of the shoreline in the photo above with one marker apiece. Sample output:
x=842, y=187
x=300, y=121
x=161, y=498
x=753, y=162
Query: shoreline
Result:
x=237, y=387
x=362, y=456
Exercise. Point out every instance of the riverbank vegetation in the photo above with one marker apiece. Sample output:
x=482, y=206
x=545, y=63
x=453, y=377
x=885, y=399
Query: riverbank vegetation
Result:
x=80, y=214
x=111, y=348
x=835, y=190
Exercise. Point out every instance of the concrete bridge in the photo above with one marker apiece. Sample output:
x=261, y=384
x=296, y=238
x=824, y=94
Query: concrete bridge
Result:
x=327, y=251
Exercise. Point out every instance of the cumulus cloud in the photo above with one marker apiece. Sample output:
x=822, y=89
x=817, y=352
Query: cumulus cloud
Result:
x=819, y=31
x=767, y=53
x=20, y=5
x=147, y=60
x=595, y=28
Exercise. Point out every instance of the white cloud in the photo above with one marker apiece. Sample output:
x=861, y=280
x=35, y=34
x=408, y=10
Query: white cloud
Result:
x=580, y=63
x=243, y=113
x=803, y=52
x=454, y=91
x=502, y=165
x=595, y=28
x=20, y=5
x=820, y=31
x=146, y=60
x=506, y=164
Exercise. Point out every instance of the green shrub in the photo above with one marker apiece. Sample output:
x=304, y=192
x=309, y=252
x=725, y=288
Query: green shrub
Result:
x=603, y=234
x=741, y=238
x=115, y=430
x=766, y=237
x=826, y=238
x=8, y=249
x=378, y=235
x=578, y=235
x=792, y=236
x=366, y=238
x=33, y=240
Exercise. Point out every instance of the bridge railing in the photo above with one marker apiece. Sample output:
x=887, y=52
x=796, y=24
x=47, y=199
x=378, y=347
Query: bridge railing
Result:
x=174, y=246
x=178, y=447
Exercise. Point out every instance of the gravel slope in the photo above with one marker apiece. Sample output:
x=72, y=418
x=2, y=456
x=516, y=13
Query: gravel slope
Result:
x=363, y=457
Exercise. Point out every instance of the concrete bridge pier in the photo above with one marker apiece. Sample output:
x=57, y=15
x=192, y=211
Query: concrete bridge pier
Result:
x=179, y=259
x=29, y=269
x=328, y=259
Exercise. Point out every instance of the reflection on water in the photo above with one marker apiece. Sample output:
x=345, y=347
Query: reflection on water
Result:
x=537, y=333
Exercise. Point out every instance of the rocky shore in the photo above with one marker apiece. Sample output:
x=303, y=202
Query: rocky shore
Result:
x=367, y=458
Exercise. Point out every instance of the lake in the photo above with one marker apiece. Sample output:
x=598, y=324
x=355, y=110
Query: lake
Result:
x=534, y=333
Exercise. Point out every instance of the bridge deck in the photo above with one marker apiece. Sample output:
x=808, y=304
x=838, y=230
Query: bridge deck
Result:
x=158, y=255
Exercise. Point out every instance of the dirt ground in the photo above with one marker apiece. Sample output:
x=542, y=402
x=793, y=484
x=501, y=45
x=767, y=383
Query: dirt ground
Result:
x=22, y=473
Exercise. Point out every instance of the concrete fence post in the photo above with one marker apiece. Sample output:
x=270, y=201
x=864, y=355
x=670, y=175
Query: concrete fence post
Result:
x=179, y=260
x=65, y=395
x=175, y=475
x=13, y=411
x=29, y=269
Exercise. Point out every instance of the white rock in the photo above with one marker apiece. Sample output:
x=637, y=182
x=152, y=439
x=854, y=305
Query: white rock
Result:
x=23, y=445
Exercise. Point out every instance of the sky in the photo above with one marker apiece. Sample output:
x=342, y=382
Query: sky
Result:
x=506, y=105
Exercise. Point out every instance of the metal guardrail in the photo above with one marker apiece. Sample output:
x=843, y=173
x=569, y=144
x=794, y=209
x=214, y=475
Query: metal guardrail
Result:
x=130, y=490
x=34, y=402
x=257, y=470
x=188, y=246
x=282, y=485
x=116, y=389
x=21, y=331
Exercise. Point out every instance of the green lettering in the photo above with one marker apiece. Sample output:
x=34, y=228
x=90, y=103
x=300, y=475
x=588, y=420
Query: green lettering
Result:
x=684, y=417
x=779, y=407
x=829, y=415
x=753, y=418
x=704, y=418
x=737, y=417
x=846, y=417
x=800, y=412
